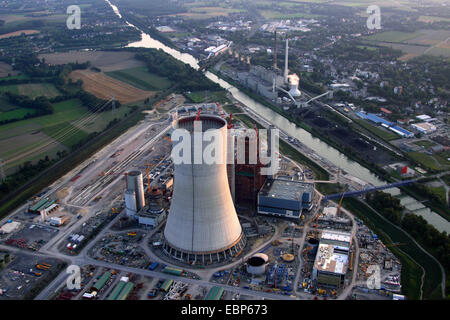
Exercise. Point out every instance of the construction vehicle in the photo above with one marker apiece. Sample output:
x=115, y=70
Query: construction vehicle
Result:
x=321, y=291
x=46, y=264
x=41, y=267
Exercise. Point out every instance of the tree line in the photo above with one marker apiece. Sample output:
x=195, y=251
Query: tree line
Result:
x=434, y=241
x=186, y=77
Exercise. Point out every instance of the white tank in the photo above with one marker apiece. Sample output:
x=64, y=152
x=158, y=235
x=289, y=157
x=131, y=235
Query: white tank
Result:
x=130, y=202
x=257, y=264
x=136, y=184
x=294, y=90
x=202, y=224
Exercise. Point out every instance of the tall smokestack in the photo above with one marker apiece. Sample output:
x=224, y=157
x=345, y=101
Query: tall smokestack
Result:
x=286, y=62
x=275, y=55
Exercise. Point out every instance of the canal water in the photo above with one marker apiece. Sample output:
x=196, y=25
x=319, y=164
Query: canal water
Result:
x=320, y=147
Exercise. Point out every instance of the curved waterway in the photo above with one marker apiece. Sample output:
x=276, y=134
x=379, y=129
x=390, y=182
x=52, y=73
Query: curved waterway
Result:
x=320, y=147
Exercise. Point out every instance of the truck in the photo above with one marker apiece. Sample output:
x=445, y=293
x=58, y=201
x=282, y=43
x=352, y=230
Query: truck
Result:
x=41, y=267
x=153, y=266
x=153, y=293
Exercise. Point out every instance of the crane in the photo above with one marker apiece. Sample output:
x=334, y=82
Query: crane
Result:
x=198, y=114
x=147, y=167
x=230, y=122
x=340, y=204
x=220, y=110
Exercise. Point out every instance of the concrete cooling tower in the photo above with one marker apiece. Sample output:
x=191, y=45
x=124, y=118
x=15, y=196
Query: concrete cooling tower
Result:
x=202, y=226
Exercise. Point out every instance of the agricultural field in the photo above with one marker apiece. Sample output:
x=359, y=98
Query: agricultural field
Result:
x=5, y=105
x=206, y=12
x=16, y=114
x=270, y=15
x=140, y=78
x=425, y=143
x=33, y=139
x=433, y=42
x=431, y=19
x=429, y=162
x=32, y=90
x=107, y=61
x=18, y=33
x=105, y=87
x=5, y=70
x=16, y=19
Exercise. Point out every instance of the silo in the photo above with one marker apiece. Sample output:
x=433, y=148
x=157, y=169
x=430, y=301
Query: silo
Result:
x=202, y=225
x=312, y=244
x=136, y=183
x=130, y=202
x=257, y=264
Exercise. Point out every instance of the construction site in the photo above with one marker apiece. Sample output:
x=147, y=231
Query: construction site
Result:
x=143, y=226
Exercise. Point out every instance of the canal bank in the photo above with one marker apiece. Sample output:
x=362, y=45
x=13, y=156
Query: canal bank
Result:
x=319, y=147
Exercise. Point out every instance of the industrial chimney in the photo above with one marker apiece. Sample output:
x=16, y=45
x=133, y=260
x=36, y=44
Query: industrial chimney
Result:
x=202, y=226
x=135, y=184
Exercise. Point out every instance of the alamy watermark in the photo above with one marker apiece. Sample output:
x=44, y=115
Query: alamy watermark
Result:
x=374, y=280
x=74, y=279
x=207, y=147
x=374, y=19
x=74, y=19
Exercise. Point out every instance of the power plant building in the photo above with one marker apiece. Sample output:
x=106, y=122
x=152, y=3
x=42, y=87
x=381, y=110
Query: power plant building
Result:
x=202, y=225
x=331, y=263
x=285, y=198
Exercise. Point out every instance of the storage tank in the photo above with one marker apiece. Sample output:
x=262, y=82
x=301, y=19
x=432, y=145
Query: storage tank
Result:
x=155, y=201
x=313, y=244
x=202, y=225
x=136, y=183
x=257, y=264
x=130, y=202
x=294, y=90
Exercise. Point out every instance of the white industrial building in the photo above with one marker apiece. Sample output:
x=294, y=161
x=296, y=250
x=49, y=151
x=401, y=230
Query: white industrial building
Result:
x=202, y=225
x=424, y=127
x=332, y=259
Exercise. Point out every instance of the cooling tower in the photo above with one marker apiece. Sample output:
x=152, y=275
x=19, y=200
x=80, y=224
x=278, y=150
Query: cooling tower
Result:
x=202, y=225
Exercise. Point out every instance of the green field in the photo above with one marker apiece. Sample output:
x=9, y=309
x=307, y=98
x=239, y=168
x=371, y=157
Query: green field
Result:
x=11, y=88
x=393, y=36
x=64, y=126
x=425, y=143
x=428, y=162
x=32, y=90
x=440, y=193
x=58, y=133
x=383, y=134
x=442, y=158
x=5, y=105
x=16, y=114
x=431, y=19
x=140, y=78
x=269, y=14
